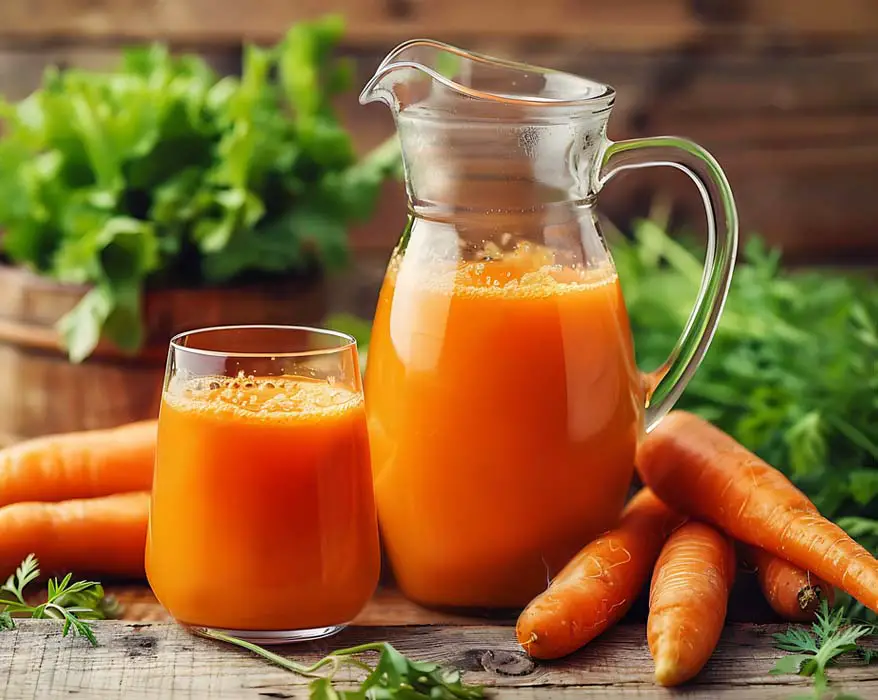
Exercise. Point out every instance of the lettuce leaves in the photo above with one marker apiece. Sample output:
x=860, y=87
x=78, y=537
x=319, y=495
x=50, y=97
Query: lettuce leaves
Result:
x=164, y=173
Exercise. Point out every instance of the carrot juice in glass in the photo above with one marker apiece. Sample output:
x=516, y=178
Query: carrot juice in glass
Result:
x=262, y=522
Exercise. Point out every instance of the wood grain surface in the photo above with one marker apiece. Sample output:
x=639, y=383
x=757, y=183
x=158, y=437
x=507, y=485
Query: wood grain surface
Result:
x=146, y=655
x=650, y=23
x=152, y=660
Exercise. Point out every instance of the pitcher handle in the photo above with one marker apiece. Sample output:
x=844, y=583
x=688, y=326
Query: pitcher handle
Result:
x=722, y=246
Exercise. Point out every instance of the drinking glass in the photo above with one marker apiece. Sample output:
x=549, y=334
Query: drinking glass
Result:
x=262, y=521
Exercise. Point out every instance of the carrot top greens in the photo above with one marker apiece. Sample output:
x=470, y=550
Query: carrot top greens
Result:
x=72, y=603
x=833, y=633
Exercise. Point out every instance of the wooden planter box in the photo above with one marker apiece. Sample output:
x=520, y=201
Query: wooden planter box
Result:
x=41, y=392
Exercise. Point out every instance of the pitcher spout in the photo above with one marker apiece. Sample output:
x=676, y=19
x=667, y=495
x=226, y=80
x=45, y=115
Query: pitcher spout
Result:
x=410, y=68
x=421, y=68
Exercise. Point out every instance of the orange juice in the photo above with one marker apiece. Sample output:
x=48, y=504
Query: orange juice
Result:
x=263, y=515
x=504, y=410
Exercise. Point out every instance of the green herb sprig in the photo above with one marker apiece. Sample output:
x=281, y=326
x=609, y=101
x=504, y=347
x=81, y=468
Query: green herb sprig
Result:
x=393, y=677
x=73, y=603
x=832, y=634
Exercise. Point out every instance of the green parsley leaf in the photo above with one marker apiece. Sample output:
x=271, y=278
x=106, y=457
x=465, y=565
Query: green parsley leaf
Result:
x=832, y=634
x=81, y=327
x=72, y=603
x=791, y=664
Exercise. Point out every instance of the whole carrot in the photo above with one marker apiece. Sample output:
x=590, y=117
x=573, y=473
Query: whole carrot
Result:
x=699, y=470
x=792, y=593
x=688, y=600
x=105, y=536
x=597, y=587
x=79, y=465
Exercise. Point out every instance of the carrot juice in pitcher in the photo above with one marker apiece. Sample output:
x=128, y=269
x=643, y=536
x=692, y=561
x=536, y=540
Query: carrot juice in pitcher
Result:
x=504, y=405
x=504, y=409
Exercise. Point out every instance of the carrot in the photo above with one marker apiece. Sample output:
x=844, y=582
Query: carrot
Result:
x=792, y=593
x=597, y=587
x=104, y=536
x=83, y=464
x=700, y=471
x=688, y=600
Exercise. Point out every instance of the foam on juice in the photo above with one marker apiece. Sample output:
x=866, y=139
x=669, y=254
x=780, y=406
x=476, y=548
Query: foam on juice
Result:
x=280, y=398
x=526, y=272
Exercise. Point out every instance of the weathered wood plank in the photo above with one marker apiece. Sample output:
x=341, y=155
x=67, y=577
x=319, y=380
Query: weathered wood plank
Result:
x=634, y=24
x=162, y=660
x=651, y=24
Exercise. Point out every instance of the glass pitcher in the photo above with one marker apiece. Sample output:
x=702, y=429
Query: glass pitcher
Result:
x=503, y=400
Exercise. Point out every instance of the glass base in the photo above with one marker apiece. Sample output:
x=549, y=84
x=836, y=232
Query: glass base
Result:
x=269, y=637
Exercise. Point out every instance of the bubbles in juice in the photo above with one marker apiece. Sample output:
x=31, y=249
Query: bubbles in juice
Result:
x=271, y=398
x=523, y=270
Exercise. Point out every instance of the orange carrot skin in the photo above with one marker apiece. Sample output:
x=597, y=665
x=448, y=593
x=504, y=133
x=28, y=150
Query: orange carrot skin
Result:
x=90, y=536
x=794, y=594
x=83, y=464
x=700, y=471
x=688, y=599
x=597, y=587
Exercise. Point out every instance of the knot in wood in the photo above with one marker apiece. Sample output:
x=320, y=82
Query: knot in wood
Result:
x=507, y=663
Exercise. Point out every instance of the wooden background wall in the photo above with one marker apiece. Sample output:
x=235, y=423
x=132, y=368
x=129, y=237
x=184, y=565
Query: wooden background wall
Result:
x=783, y=92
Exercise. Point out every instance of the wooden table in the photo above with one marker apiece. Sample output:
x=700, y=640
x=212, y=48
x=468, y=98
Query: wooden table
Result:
x=145, y=655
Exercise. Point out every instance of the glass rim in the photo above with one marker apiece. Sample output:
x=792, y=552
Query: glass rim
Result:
x=349, y=341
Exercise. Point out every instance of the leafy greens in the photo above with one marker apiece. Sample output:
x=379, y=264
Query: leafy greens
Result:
x=164, y=173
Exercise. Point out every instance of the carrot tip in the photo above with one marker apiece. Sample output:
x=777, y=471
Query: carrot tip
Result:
x=666, y=673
